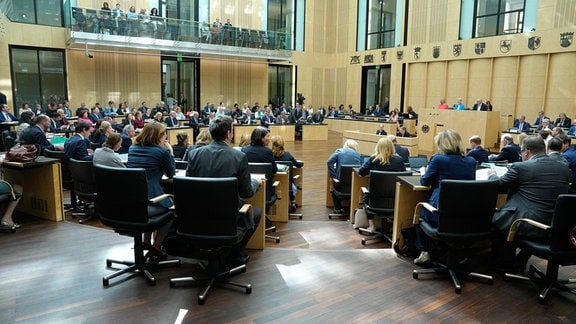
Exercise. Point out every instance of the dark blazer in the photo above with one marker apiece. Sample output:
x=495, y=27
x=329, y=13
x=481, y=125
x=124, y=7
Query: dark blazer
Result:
x=510, y=153
x=171, y=122
x=564, y=124
x=76, y=147
x=479, y=154
x=266, y=120
x=94, y=117
x=289, y=158
x=3, y=118
x=317, y=118
x=126, y=143
x=403, y=152
x=396, y=163
x=533, y=187
x=445, y=166
x=525, y=127
x=381, y=132
x=35, y=135
x=483, y=107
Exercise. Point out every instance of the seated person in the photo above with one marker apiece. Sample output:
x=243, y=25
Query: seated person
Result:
x=259, y=152
x=35, y=134
x=544, y=124
x=231, y=163
x=523, y=126
x=540, y=118
x=509, y=151
x=459, y=105
x=410, y=113
x=204, y=138
x=347, y=155
x=381, y=130
x=402, y=151
x=172, y=120
x=280, y=154
x=180, y=147
x=563, y=121
x=318, y=118
x=77, y=147
x=572, y=130
x=479, y=153
x=106, y=155
x=383, y=159
x=5, y=115
x=402, y=132
x=10, y=206
x=281, y=119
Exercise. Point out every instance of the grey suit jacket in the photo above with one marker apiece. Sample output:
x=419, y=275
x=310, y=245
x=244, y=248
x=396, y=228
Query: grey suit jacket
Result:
x=533, y=187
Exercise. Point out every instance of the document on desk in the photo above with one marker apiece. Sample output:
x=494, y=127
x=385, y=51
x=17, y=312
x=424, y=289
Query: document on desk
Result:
x=482, y=174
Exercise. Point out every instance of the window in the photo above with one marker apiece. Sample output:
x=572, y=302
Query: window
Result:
x=41, y=12
x=38, y=76
x=498, y=17
x=381, y=24
x=280, y=84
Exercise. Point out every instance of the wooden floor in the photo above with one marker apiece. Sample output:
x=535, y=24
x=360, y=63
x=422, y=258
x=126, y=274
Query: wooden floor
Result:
x=320, y=273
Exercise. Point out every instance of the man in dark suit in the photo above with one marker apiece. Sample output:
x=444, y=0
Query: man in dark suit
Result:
x=479, y=153
x=35, y=134
x=381, y=130
x=267, y=119
x=127, y=134
x=479, y=105
x=172, y=121
x=509, y=151
x=5, y=115
x=94, y=115
x=540, y=117
x=523, y=126
x=533, y=186
x=563, y=121
x=77, y=147
x=218, y=159
x=402, y=151
x=195, y=123
x=318, y=118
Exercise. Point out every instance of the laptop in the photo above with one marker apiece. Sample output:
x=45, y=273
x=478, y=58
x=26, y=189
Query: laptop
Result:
x=416, y=162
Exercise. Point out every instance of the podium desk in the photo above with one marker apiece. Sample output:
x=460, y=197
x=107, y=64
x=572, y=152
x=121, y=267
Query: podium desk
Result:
x=258, y=239
x=279, y=212
x=173, y=131
x=42, y=185
x=240, y=130
x=314, y=132
x=288, y=132
x=356, y=192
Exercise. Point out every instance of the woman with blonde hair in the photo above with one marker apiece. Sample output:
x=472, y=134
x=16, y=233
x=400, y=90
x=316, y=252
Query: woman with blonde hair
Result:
x=152, y=152
x=451, y=163
x=204, y=138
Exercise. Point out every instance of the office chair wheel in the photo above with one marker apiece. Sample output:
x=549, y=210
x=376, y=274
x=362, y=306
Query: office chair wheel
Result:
x=201, y=300
x=458, y=290
x=249, y=289
x=108, y=263
x=363, y=242
x=105, y=282
x=414, y=274
x=277, y=240
x=172, y=284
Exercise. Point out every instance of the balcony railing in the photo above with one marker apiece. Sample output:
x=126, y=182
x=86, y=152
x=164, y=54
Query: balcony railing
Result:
x=132, y=30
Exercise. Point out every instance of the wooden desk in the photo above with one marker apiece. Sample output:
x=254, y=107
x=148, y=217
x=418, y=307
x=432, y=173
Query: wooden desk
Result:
x=279, y=212
x=173, y=131
x=240, y=130
x=409, y=192
x=258, y=239
x=367, y=142
x=298, y=182
x=356, y=192
x=311, y=132
x=286, y=131
x=329, y=187
x=42, y=185
x=410, y=125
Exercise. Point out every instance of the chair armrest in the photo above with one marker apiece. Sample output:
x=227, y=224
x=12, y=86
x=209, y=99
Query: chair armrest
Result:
x=160, y=198
x=245, y=209
x=416, y=219
x=364, y=190
x=516, y=224
x=276, y=184
x=296, y=177
x=335, y=180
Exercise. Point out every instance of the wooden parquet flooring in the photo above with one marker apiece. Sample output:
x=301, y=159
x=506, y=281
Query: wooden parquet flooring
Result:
x=319, y=273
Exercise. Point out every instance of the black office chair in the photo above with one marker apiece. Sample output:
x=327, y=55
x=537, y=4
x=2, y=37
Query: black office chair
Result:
x=381, y=193
x=266, y=169
x=207, y=210
x=82, y=174
x=343, y=187
x=293, y=181
x=67, y=181
x=559, y=250
x=8, y=139
x=130, y=213
x=465, y=210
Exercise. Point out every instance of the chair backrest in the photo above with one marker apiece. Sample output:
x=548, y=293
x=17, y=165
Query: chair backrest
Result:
x=265, y=168
x=8, y=139
x=82, y=174
x=206, y=206
x=382, y=188
x=417, y=161
x=64, y=164
x=466, y=207
x=563, y=236
x=122, y=194
x=346, y=178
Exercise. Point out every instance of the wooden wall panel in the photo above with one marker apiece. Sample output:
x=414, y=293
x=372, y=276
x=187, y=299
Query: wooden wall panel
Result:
x=317, y=87
x=531, y=84
x=437, y=21
x=319, y=29
x=561, y=87
x=329, y=88
x=416, y=88
x=436, y=83
x=504, y=83
x=479, y=80
x=456, y=82
x=418, y=22
x=341, y=85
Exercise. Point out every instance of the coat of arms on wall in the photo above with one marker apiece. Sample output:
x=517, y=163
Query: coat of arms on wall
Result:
x=369, y=58
x=505, y=45
x=399, y=55
x=355, y=59
x=417, y=52
x=383, y=55
x=566, y=39
x=457, y=49
x=534, y=42
x=436, y=52
x=480, y=48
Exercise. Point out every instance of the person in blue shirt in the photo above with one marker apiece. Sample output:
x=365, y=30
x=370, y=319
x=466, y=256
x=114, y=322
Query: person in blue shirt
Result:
x=572, y=130
x=347, y=155
x=451, y=162
x=459, y=105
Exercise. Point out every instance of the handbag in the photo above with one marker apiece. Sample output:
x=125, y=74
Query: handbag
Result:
x=22, y=153
x=360, y=218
